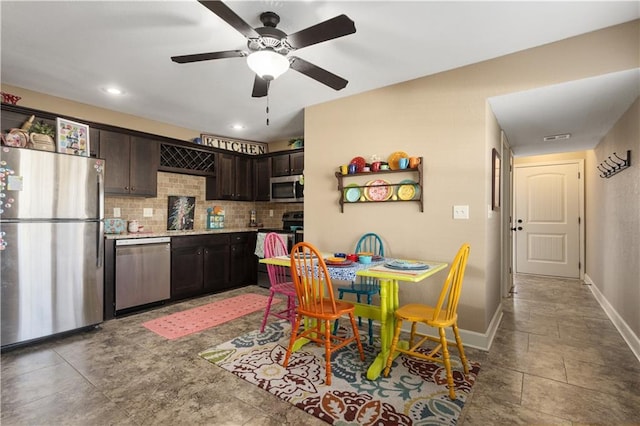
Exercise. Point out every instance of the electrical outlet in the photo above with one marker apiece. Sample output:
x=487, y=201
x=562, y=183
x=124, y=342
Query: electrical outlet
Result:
x=461, y=212
x=147, y=212
x=270, y=213
x=116, y=212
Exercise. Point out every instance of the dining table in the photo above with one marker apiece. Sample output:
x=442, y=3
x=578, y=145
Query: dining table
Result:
x=384, y=313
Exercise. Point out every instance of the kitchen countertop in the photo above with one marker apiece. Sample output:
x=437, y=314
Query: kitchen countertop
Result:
x=177, y=233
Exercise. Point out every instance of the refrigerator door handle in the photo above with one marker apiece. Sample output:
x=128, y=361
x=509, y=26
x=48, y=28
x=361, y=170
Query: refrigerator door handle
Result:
x=100, y=236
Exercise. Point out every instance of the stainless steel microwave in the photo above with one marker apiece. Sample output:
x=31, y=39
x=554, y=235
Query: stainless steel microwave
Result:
x=287, y=189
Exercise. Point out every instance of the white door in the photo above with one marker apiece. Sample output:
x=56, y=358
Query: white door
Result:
x=547, y=219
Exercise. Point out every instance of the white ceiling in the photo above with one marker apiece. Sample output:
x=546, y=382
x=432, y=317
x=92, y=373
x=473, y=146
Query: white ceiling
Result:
x=73, y=49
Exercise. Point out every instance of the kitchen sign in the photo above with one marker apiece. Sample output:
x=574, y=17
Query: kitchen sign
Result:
x=244, y=147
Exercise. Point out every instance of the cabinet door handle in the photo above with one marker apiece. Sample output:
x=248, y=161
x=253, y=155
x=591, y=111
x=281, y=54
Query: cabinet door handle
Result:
x=132, y=188
x=126, y=187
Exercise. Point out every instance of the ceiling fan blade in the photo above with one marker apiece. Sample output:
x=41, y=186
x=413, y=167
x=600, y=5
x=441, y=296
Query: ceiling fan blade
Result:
x=184, y=59
x=317, y=73
x=230, y=17
x=328, y=30
x=260, y=87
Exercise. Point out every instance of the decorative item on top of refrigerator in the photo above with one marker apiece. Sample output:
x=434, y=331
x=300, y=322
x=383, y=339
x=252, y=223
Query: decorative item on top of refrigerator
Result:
x=51, y=240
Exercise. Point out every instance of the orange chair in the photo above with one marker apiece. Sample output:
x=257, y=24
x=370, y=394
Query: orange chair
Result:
x=439, y=316
x=317, y=303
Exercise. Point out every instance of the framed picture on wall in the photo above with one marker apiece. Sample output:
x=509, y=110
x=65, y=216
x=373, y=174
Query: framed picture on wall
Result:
x=180, y=212
x=495, y=180
x=72, y=137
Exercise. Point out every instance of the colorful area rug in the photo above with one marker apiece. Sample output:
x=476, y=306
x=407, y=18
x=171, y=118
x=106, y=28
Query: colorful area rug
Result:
x=415, y=393
x=197, y=319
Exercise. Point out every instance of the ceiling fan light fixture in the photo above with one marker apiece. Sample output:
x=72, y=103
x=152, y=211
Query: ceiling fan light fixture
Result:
x=268, y=64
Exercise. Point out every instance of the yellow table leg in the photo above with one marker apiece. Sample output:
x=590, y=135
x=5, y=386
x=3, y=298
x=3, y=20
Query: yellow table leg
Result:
x=388, y=305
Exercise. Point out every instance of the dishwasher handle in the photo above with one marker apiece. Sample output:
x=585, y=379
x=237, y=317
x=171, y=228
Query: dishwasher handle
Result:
x=142, y=241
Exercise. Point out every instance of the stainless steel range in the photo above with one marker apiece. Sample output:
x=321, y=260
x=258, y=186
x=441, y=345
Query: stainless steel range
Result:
x=292, y=230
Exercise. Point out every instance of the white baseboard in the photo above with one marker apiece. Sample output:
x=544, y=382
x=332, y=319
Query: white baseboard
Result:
x=625, y=331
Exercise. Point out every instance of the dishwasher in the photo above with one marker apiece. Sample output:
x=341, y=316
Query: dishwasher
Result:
x=143, y=271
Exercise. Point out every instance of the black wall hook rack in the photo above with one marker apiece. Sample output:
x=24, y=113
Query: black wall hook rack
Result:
x=615, y=165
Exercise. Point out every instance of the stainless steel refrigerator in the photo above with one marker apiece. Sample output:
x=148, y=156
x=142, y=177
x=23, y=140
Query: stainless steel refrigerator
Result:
x=51, y=243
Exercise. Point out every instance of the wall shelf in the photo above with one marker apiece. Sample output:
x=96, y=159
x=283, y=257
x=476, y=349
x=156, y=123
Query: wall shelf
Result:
x=382, y=174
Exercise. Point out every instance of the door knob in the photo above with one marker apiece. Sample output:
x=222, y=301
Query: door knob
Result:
x=519, y=228
x=519, y=220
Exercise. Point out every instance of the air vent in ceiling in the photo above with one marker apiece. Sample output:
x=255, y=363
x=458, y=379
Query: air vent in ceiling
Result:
x=557, y=137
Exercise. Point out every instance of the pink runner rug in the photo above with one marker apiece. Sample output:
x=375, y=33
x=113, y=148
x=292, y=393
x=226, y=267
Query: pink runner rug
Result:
x=197, y=319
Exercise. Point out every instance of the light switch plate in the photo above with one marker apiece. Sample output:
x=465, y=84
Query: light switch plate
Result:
x=461, y=212
x=116, y=212
x=147, y=212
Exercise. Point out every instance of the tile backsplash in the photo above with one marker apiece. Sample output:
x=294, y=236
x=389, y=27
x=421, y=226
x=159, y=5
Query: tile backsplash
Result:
x=237, y=213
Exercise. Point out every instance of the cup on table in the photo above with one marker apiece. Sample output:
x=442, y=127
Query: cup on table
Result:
x=413, y=162
x=365, y=258
x=403, y=162
x=342, y=255
x=353, y=168
x=352, y=257
x=344, y=169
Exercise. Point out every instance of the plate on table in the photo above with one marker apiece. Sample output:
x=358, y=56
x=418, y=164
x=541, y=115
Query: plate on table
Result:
x=393, y=159
x=378, y=190
x=304, y=255
x=408, y=190
x=359, y=162
x=338, y=263
x=352, y=193
x=406, y=265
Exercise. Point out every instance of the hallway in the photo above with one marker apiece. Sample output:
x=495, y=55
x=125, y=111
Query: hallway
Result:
x=556, y=359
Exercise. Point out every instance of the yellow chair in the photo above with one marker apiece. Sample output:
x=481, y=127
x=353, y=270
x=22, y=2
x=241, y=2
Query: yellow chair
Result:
x=317, y=303
x=439, y=316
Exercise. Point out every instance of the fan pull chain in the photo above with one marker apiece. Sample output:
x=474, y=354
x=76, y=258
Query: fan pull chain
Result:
x=267, y=108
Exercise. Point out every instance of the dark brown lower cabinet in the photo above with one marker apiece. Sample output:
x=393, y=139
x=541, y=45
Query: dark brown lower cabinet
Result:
x=202, y=264
x=187, y=272
x=243, y=267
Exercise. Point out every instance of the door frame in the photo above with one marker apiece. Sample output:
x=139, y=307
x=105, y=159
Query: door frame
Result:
x=581, y=210
x=506, y=235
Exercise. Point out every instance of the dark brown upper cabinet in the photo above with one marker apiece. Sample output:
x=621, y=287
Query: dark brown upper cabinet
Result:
x=131, y=164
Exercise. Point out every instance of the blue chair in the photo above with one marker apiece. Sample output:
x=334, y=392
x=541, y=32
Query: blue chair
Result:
x=364, y=286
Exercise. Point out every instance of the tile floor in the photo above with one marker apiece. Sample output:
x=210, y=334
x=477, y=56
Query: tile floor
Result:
x=556, y=359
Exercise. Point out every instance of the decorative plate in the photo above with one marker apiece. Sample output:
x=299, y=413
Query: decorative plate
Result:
x=378, y=190
x=393, y=159
x=16, y=138
x=408, y=190
x=406, y=265
x=359, y=162
x=352, y=193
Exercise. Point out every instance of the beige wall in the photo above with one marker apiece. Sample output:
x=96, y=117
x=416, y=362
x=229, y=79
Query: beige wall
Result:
x=444, y=119
x=613, y=221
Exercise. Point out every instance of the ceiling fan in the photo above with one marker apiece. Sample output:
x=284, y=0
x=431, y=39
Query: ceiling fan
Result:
x=269, y=47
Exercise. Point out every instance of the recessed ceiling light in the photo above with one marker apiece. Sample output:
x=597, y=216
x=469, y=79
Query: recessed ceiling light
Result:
x=237, y=127
x=113, y=91
x=557, y=137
